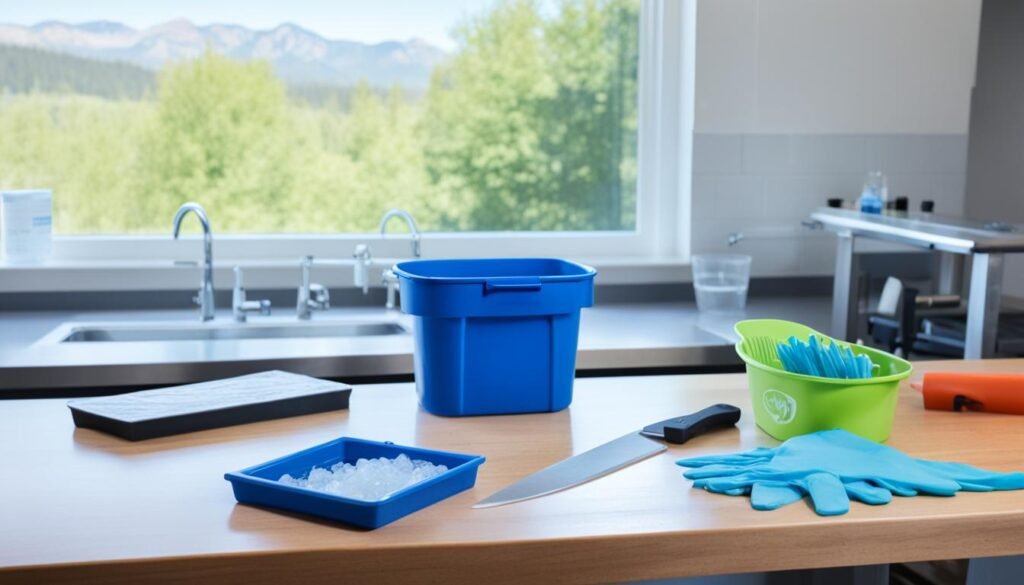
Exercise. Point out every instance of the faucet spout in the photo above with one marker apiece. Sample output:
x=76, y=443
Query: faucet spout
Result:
x=205, y=297
x=414, y=232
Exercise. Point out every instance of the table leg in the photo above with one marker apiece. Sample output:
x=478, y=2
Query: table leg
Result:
x=844, y=290
x=951, y=268
x=983, y=306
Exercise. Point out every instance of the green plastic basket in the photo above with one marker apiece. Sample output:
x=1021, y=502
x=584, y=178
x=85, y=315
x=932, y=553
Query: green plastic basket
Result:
x=788, y=404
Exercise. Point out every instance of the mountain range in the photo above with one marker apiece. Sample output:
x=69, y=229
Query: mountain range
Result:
x=299, y=55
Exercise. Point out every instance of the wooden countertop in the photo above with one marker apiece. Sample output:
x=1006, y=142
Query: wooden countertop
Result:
x=77, y=506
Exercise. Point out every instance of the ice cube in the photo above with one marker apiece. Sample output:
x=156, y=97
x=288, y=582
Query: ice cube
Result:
x=368, y=479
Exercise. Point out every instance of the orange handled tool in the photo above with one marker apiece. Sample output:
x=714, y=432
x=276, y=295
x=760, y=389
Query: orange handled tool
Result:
x=981, y=392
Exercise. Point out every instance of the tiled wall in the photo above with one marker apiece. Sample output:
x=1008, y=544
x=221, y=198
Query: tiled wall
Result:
x=763, y=185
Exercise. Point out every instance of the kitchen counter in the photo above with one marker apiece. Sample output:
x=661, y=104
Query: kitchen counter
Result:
x=613, y=337
x=82, y=507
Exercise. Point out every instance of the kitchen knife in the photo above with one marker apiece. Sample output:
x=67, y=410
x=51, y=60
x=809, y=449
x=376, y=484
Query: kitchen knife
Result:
x=613, y=455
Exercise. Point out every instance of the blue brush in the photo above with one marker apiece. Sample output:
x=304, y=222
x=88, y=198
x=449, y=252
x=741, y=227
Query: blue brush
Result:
x=813, y=358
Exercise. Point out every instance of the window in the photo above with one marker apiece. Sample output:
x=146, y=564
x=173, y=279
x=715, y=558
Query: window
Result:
x=508, y=127
x=484, y=116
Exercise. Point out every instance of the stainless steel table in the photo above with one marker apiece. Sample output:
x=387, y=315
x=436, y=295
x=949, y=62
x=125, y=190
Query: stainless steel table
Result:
x=985, y=242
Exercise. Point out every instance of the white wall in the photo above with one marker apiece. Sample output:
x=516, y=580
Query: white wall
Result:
x=835, y=66
x=797, y=99
x=995, y=170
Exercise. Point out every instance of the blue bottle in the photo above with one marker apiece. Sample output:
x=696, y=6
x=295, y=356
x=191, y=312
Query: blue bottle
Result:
x=872, y=198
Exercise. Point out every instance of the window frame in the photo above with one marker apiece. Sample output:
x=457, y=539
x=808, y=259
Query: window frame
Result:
x=665, y=122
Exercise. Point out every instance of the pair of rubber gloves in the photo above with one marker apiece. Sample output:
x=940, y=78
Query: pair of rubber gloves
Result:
x=834, y=467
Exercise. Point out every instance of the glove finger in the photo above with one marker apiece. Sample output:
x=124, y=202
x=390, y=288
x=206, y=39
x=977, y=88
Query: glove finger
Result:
x=709, y=461
x=767, y=496
x=931, y=485
x=714, y=471
x=895, y=488
x=976, y=487
x=828, y=494
x=729, y=489
x=758, y=455
x=739, y=491
x=863, y=491
x=965, y=474
x=724, y=484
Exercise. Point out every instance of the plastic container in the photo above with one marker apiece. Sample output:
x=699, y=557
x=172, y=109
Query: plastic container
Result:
x=27, y=226
x=495, y=336
x=258, y=485
x=787, y=404
x=875, y=193
x=720, y=281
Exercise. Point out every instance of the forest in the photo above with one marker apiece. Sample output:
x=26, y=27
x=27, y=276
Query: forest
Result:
x=530, y=124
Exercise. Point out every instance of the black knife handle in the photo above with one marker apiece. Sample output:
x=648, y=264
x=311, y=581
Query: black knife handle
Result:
x=681, y=429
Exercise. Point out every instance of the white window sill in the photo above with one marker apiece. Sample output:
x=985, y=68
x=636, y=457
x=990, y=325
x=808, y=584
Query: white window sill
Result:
x=143, y=275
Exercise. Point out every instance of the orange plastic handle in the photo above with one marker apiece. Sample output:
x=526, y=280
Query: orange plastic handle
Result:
x=983, y=392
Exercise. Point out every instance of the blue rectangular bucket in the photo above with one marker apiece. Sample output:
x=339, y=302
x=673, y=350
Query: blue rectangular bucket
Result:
x=495, y=336
x=259, y=485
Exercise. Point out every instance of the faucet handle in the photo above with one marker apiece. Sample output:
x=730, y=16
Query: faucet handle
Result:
x=390, y=281
x=361, y=268
x=240, y=306
x=261, y=306
x=319, y=297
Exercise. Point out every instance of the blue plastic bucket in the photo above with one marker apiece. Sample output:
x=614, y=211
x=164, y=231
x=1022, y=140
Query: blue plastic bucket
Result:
x=495, y=336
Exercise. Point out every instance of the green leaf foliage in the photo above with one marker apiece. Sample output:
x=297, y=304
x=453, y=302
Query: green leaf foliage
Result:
x=529, y=125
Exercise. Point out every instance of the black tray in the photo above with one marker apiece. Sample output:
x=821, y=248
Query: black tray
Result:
x=207, y=405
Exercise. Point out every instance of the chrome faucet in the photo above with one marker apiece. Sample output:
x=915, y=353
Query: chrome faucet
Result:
x=388, y=278
x=205, y=297
x=414, y=233
x=241, y=307
x=312, y=296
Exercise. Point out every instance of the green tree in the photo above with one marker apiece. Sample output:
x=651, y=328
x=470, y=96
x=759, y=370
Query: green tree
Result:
x=590, y=126
x=81, y=147
x=222, y=135
x=354, y=165
x=531, y=125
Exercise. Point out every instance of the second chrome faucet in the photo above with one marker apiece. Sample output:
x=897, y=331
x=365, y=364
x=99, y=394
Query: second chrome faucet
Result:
x=205, y=297
x=387, y=277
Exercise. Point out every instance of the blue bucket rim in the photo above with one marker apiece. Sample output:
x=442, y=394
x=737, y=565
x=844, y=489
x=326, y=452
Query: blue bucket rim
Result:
x=586, y=272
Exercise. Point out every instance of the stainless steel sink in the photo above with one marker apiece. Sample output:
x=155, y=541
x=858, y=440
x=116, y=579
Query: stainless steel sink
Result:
x=216, y=331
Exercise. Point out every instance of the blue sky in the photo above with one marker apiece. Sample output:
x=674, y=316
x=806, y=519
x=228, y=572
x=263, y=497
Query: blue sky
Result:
x=359, y=20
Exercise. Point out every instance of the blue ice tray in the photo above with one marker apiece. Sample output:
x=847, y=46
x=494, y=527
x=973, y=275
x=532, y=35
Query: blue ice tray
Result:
x=258, y=485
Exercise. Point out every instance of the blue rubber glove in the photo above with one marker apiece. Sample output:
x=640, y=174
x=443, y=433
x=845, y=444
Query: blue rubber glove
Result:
x=833, y=467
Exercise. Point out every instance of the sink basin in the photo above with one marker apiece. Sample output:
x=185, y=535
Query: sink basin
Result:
x=221, y=331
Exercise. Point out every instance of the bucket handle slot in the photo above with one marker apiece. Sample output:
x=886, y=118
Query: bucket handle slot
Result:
x=516, y=285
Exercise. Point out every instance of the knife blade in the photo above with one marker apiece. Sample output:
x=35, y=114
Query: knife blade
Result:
x=613, y=455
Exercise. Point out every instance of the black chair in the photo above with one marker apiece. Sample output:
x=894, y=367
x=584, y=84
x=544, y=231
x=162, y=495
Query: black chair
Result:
x=906, y=322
